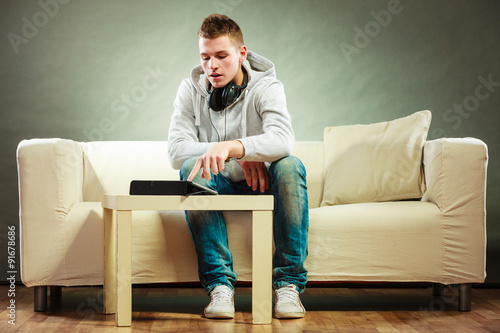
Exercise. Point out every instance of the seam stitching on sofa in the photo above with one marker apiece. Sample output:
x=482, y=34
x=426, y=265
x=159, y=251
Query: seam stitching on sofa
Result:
x=60, y=203
x=443, y=197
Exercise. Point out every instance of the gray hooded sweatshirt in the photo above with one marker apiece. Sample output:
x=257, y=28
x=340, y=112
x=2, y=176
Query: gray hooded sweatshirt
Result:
x=259, y=119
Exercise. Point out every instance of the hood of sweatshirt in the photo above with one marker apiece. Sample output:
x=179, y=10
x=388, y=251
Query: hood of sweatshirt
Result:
x=256, y=66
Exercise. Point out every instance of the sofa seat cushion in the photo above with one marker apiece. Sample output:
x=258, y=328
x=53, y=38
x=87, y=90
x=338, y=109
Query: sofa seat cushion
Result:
x=375, y=162
x=399, y=241
x=162, y=248
x=390, y=241
x=387, y=241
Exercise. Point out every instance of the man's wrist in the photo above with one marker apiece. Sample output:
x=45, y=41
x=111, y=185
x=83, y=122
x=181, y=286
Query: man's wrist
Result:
x=236, y=150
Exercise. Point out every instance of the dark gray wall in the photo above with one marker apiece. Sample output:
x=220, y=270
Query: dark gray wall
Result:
x=76, y=69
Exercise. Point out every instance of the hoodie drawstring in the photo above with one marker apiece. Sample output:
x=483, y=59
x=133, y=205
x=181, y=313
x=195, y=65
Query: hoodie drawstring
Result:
x=244, y=117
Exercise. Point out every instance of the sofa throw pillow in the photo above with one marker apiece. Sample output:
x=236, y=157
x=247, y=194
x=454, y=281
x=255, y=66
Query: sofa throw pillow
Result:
x=375, y=162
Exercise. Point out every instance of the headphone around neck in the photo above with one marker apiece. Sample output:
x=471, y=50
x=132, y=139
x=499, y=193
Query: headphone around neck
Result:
x=221, y=98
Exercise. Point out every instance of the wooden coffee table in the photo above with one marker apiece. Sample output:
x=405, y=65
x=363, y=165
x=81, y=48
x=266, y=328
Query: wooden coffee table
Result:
x=117, y=216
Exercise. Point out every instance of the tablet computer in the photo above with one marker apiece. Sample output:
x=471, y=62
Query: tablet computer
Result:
x=168, y=187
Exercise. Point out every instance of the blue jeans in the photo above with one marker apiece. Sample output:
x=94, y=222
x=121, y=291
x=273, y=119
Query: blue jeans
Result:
x=287, y=183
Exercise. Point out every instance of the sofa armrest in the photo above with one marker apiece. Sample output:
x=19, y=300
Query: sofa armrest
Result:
x=455, y=176
x=50, y=174
x=455, y=172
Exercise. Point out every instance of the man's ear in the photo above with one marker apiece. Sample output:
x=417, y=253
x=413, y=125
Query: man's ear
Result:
x=243, y=53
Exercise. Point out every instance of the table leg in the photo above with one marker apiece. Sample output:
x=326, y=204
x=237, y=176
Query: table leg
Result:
x=262, y=239
x=123, y=267
x=109, y=287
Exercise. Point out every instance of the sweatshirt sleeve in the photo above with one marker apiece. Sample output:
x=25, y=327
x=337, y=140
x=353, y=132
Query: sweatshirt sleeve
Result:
x=278, y=138
x=183, y=140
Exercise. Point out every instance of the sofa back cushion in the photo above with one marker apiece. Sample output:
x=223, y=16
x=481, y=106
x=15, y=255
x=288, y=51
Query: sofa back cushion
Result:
x=110, y=166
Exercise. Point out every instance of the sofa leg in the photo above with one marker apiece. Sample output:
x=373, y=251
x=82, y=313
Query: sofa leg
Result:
x=464, y=299
x=55, y=291
x=437, y=290
x=41, y=298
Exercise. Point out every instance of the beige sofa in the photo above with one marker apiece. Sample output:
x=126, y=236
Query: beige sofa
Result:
x=439, y=238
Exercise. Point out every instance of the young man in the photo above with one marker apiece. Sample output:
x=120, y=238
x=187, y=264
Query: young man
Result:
x=231, y=131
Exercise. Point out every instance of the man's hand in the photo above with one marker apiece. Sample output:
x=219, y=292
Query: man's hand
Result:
x=256, y=174
x=214, y=158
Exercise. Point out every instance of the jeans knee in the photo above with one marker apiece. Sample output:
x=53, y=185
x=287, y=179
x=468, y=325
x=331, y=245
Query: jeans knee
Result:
x=288, y=167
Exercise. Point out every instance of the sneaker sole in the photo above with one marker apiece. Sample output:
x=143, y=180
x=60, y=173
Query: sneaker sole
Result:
x=220, y=315
x=290, y=315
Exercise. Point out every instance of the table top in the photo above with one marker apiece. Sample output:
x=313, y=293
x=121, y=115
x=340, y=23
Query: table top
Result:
x=194, y=202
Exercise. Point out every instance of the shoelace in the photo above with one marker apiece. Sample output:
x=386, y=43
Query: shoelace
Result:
x=222, y=295
x=287, y=294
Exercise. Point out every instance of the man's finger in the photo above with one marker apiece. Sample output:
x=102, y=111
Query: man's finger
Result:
x=196, y=169
x=255, y=178
x=206, y=169
x=215, y=165
x=221, y=164
x=266, y=174
x=248, y=176
x=263, y=178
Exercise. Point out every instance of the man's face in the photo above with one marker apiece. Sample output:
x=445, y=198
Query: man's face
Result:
x=221, y=60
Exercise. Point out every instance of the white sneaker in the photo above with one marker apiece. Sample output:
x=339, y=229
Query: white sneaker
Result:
x=288, y=303
x=221, y=303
